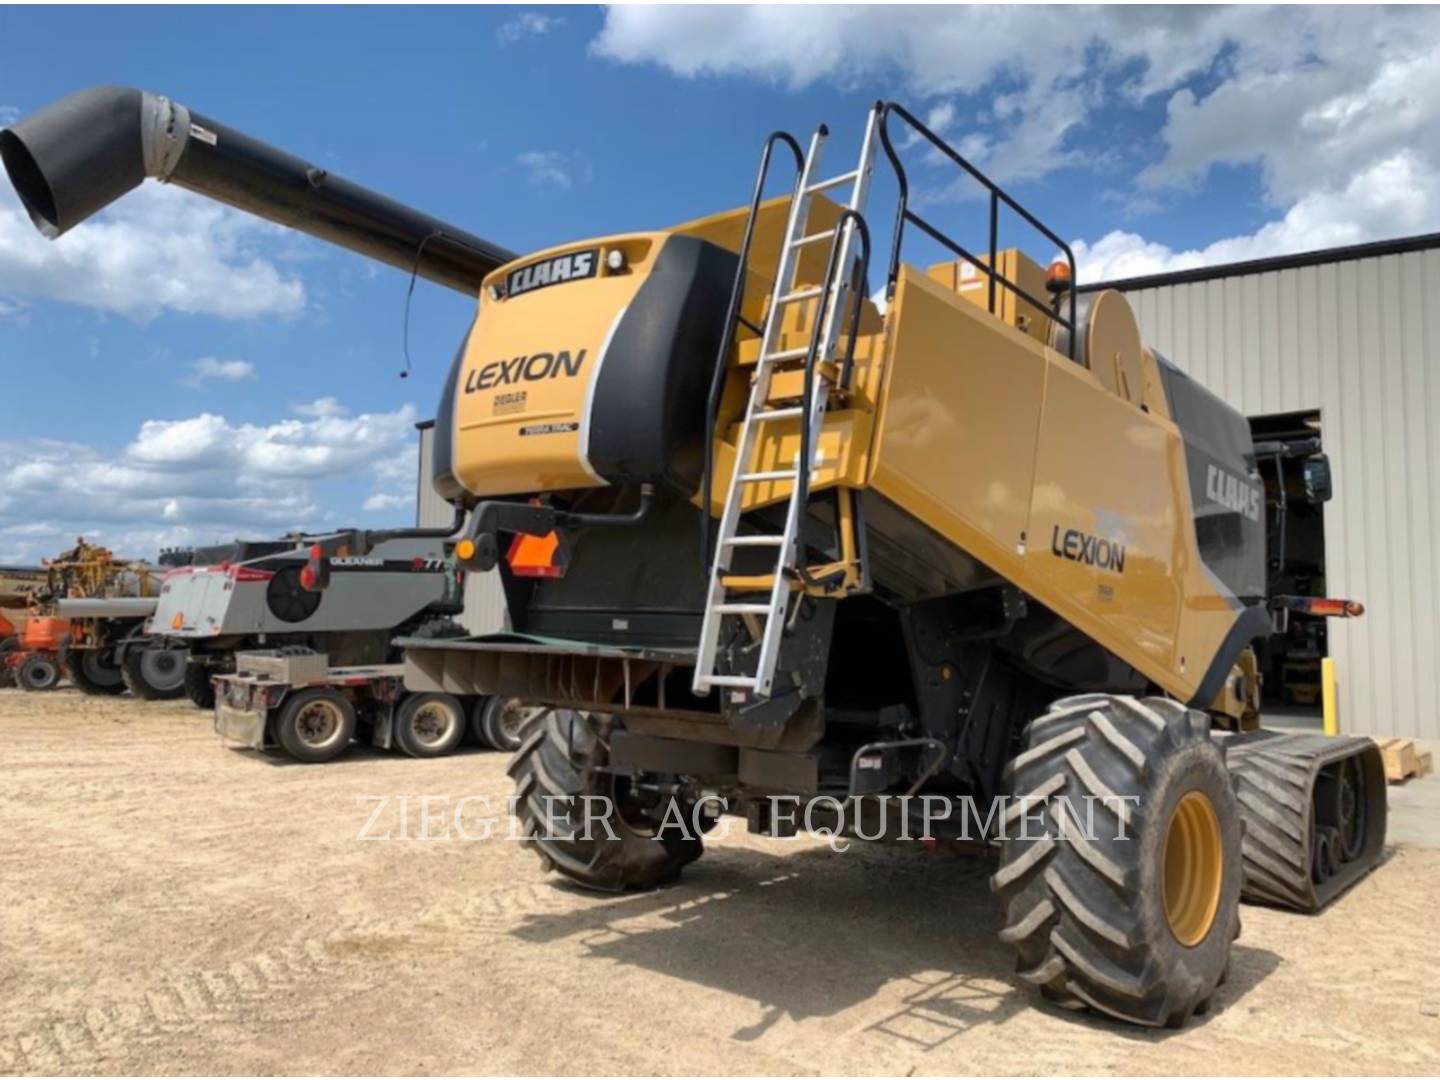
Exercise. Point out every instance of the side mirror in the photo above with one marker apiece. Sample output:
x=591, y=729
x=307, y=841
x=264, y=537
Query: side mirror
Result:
x=1316, y=474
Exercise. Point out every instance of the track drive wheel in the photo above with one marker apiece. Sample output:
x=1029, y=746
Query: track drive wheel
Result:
x=40, y=671
x=1135, y=922
x=429, y=725
x=156, y=674
x=198, y=687
x=315, y=725
x=91, y=674
x=602, y=843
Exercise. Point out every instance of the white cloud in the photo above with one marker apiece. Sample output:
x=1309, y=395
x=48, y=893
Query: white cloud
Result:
x=547, y=168
x=1392, y=197
x=157, y=249
x=213, y=369
x=197, y=479
x=323, y=407
x=8, y=115
x=526, y=24
x=1338, y=110
x=386, y=501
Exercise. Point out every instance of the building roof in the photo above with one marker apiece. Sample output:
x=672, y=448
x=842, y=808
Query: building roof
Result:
x=1264, y=266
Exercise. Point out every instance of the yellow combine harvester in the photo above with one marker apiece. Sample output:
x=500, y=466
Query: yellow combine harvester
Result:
x=764, y=539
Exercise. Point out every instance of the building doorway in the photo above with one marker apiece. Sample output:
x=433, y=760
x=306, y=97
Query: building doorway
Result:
x=1295, y=559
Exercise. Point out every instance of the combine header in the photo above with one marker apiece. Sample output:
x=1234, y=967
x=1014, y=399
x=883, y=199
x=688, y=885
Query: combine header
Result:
x=763, y=540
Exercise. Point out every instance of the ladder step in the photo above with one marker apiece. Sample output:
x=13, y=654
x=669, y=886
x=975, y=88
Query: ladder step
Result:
x=813, y=238
x=755, y=541
x=778, y=414
x=788, y=354
x=834, y=181
x=733, y=680
x=748, y=582
x=798, y=295
x=742, y=609
x=762, y=477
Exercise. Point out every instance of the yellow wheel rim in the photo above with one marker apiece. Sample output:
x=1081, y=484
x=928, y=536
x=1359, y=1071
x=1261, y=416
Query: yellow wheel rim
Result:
x=1194, y=867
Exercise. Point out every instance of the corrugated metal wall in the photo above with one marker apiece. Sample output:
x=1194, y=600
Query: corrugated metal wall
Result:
x=484, y=599
x=1360, y=342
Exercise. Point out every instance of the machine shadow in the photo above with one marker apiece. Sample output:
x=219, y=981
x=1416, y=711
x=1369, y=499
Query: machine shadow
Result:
x=814, y=933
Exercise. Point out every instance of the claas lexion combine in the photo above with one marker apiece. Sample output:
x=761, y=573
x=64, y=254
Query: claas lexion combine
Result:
x=764, y=536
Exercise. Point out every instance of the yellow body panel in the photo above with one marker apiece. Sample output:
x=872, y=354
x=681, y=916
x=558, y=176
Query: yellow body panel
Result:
x=531, y=415
x=1027, y=460
x=970, y=423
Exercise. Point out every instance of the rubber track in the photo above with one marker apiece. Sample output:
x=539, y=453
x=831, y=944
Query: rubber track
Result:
x=1275, y=778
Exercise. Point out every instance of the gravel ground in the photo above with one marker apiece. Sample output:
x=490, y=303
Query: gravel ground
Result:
x=174, y=906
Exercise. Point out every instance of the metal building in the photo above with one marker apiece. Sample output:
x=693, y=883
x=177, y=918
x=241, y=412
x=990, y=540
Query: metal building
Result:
x=484, y=599
x=1348, y=341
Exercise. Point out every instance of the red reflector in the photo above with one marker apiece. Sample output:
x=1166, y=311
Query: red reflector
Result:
x=1332, y=608
x=307, y=577
x=316, y=551
x=537, y=556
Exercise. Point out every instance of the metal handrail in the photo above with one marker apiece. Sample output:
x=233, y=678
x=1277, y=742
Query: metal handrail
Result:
x=997, y=195
x=836, y=243
x=732, y=316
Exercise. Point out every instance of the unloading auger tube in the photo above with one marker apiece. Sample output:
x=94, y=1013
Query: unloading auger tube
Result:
x=72, y=159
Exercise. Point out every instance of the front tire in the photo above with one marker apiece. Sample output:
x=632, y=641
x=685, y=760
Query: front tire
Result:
x=1137, y=926
x=600, y=845
x=316, y=725
x=198, y=687
x=39, y=673
x=155, y=674
x=429, y=725
x=91, y=675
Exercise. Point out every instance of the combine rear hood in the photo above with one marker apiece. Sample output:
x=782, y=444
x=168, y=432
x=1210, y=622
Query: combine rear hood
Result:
x=75, y=157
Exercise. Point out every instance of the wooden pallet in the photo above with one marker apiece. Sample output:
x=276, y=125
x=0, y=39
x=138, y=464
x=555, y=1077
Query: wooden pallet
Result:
x=1403, y=760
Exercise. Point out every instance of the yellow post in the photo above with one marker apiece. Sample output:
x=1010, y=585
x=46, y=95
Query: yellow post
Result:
x=1327, y=696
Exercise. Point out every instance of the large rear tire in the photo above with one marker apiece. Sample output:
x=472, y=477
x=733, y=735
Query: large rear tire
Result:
x=91, y=675
x=198, y=687
x=1134, y=921
x=156, y=674
x=598, y=844
x=39, y=672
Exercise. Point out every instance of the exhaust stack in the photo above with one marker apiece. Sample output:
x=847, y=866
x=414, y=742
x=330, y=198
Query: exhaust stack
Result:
x=75, y=157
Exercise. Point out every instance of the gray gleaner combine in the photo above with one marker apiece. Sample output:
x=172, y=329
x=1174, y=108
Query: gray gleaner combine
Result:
x=279, y=652
x=760, y=538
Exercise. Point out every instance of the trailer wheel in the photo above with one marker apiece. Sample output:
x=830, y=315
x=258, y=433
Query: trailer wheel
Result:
x=90, y=674
x=1133, y=916
x=601, y=842
x=39, y=672
x=8, y=645
x=429, y=725
x=155, y=674
x=198, y=687
x=315, y=725
x=501, y=723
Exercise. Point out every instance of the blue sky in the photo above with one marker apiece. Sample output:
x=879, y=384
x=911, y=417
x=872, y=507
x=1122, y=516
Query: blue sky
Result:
x=176, y=372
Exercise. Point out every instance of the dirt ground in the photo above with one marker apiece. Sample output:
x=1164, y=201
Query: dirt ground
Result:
x=174, y=906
